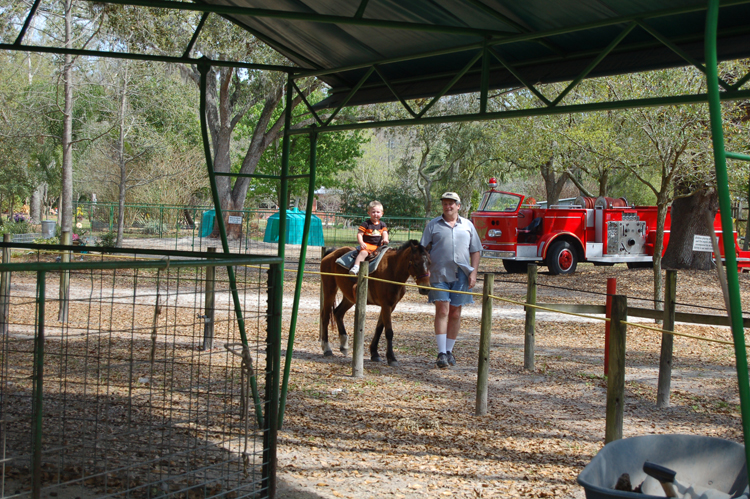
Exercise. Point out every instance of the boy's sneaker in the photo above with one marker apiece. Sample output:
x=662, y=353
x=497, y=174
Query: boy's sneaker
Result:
x=450, y=358
x=354, y=270
x=442, y=361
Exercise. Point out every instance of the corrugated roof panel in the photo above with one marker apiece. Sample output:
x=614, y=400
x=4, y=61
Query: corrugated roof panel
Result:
x=572, y=39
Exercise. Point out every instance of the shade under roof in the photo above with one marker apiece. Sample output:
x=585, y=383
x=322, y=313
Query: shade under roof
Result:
x=542, y=41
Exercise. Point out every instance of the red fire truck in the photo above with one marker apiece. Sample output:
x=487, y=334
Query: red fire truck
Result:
x=603, y=231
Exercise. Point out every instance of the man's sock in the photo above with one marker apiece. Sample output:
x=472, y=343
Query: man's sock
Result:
x=440, y=338
x=449, y=344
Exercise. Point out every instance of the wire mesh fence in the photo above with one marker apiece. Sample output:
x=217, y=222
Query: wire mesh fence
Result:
x=125, y=380
x=194, y=228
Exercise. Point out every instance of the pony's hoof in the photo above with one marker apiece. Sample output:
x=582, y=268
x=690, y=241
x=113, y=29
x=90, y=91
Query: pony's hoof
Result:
x=393, y=363
x=344, y=351
x=327, y=353
x=376, y=358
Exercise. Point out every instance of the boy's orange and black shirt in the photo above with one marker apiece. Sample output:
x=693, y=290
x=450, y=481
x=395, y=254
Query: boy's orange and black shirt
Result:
x=372, y=233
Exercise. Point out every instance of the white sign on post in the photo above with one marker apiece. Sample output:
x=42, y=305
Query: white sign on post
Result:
x=235, y=220
x=703, y=244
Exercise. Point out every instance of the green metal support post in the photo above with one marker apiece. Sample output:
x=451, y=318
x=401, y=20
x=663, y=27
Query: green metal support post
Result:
x=204, y=67
x=276, y=278
x=725, y=206
x=37, y=413
x=300, y=274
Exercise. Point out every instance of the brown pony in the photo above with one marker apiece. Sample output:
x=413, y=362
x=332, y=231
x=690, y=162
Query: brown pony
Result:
x=410, y=260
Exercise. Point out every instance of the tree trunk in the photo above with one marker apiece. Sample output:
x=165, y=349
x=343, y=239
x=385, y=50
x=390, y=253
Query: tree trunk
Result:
x=553, y=186
x=66, y=197
x=693, y=215
x=121, y=160
x=661, y=217
x=37, y=198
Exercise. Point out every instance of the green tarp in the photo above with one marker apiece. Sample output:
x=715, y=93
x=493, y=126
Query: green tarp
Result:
x=295, y=223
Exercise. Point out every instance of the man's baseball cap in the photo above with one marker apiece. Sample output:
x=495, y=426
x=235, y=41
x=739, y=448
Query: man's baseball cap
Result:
x=451, y=195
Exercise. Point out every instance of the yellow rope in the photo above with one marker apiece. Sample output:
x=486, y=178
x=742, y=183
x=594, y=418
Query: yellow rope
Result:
x=499, y=298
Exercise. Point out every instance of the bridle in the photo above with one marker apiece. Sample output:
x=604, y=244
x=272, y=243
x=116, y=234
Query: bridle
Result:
x=414, y=275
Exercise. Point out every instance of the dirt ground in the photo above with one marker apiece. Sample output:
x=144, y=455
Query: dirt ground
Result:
x=411, y=430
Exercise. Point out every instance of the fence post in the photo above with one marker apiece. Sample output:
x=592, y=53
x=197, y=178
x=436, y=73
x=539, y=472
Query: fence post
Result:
x=208, y=317
x=62, y=314
x=5, y=290
x=667, y=341
x=37, y=413
x=616, y=377
x=483, y=366
x=360, y=309
x=611, y=291
x=529, y=339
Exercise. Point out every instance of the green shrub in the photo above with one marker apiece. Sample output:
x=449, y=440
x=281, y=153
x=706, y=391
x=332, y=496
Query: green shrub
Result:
x=51, y=240
x=152, y=227
x=20, y=227
x=108, y=239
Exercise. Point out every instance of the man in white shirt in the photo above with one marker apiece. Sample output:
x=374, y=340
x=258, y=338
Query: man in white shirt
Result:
x=455, y=252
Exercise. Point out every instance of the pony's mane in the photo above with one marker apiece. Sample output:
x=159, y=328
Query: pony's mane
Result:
x=408, y=244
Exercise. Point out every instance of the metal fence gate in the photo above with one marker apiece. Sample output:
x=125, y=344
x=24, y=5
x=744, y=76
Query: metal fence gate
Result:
x=130, y=378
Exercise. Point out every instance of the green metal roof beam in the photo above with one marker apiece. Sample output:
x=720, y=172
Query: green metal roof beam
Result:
x=308, y=17
x=393, y=91
x=351, y=94
x=524, y=37
x=27, y=23
x=196, y=34
x=143, y=57
x=595, y=62
x=450, y=84
x=518, y=26
x=578, y=55
x=304, y=99
x=361, y=10
x=677, y=50
x=543, y=111
x=520, y=78
x=736, y=155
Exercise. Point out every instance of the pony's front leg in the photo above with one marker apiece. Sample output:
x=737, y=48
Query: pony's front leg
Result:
x=385, y=314
x=374, y=355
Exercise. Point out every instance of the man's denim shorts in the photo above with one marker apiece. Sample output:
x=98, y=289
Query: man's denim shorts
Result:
x=456, y=299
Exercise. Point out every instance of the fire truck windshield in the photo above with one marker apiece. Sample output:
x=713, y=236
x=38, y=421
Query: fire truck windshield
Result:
x=500, y=201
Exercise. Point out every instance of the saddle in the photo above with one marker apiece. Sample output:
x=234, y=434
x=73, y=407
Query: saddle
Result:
x=347, y=259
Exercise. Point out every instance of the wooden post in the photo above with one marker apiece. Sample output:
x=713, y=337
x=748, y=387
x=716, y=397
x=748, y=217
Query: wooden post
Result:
x=667, y=341
x=323, y=250
x=483, y=366
x=208, y=317
x=616, y=377
x=360, y=309
x=62, y=314
x=611, y=291
x=529, y=338
x=5, y=290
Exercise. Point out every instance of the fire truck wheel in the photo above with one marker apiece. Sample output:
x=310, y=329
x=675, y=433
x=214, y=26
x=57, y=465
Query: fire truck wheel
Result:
x=561, y=258
x=515, y=267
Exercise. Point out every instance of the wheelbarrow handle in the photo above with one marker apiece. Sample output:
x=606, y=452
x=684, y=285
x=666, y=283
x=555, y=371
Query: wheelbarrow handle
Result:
x=663, y=474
